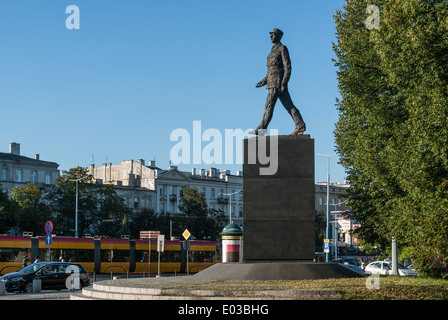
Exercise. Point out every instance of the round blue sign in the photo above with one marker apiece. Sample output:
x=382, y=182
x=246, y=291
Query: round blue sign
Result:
x=48, y=227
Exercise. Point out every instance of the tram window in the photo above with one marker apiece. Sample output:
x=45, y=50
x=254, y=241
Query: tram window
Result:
x=113, y=255
x=13, y=254
x=67, y=255
x=141, y=256
x=170, y=256
x=6, y=255
x=166, y=256
x=202, y=256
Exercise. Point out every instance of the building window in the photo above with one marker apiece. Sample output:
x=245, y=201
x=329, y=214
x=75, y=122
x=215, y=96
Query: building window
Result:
x=136, y=203
x=148, y=203
x=4, y=174
x=19, y=175
x=48, y=177
x=212, y=194
x=34, y=176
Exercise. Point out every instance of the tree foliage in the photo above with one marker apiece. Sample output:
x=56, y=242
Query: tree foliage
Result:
x=32, y=212
x=201, y=221
x=392, y=133
x=100, y=209
x=8, y=212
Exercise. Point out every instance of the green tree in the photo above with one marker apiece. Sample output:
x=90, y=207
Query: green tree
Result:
x=145, y=220
x=8, y=212
x=32, y=211
x=392, y=131
x=202, y=222
x=100, y=209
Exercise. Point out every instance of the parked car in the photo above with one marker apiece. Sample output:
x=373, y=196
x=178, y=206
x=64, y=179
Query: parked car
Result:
x=385, y=268
x=350, y=261
x=53, y=275
x=355, y=268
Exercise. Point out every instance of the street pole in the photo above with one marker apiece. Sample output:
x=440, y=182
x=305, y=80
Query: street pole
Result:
x=230, y=209
x=394, y=270
x=76, y=211
x=230, y=202
x=327, y=231
x=76, y=201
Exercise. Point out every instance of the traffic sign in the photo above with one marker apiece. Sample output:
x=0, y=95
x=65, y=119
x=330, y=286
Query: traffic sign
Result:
x=48, y=239
x=48, y=227
x=186, y=245
x=149, y=234
x=326, y=245
x=186, y=234
x=160, y=242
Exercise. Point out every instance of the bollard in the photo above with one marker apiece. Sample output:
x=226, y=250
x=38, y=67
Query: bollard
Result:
x=2, y=288
x=37, y=285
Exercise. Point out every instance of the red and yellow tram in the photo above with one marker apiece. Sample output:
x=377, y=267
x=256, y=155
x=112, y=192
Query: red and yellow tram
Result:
x=108, y=255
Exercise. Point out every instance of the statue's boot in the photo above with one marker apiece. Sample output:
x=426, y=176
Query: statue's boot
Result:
x=298, y=121
x=258, y=132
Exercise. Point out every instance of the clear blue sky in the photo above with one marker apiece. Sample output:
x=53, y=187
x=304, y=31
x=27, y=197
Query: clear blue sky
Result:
x=136, y=70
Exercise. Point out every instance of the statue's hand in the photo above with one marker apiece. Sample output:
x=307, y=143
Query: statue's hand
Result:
x=260, y=84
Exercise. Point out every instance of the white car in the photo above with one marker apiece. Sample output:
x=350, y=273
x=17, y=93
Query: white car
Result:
x=385, y=268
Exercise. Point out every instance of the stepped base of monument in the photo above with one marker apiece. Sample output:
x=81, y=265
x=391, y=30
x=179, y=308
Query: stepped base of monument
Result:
x=277, y=271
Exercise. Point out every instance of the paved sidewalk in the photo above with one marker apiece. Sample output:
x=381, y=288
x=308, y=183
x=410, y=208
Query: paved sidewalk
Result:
x=44, y=295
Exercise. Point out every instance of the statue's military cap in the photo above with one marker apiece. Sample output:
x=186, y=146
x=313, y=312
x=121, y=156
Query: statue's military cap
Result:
x=277, y=31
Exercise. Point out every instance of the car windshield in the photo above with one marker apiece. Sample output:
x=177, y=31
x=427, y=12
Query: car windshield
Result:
x=32, y=268
x=400, y=266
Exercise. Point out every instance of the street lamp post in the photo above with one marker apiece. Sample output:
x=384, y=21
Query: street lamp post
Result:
x=230, y=203
x=327, y=231
x=76, y=201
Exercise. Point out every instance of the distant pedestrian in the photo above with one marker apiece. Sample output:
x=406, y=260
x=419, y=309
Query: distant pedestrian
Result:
x=362, y=265
x=37, y=259
x=24, y=262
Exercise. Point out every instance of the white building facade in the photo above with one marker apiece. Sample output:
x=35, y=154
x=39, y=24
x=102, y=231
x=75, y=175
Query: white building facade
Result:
x=146, y=186
x=150, y=187
x=17, y=170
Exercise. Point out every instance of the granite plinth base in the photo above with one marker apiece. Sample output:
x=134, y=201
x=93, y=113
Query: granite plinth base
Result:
x=279, y=208
x=277, y=271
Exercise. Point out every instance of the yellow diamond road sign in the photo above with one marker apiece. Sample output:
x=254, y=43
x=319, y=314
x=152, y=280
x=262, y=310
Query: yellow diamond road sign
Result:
x=186, y=234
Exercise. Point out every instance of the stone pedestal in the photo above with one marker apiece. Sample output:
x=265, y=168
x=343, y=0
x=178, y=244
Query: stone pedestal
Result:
x=279, y=208
x=278, y=217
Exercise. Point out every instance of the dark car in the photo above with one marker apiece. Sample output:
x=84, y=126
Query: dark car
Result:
x=53, y=275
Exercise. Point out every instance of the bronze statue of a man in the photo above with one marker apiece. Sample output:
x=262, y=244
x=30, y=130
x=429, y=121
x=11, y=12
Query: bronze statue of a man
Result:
x=276, y=81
